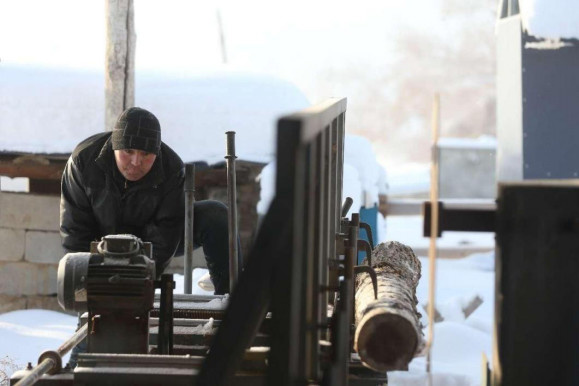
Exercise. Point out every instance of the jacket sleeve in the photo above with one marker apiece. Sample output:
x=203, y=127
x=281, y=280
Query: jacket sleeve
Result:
x=78, y=226
x=166, y=229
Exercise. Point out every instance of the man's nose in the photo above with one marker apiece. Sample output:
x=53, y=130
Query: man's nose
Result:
x=136, y=159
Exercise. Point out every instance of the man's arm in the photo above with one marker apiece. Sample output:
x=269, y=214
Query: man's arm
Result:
x=77, y=222
x=166, y=229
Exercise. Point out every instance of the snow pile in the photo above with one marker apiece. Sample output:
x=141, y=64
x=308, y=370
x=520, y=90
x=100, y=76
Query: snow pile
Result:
x=51, y=110
x=204, y=329
x=358, y=153
x=363, y=178
x=485, y=142
x=458, y=341
x=550, y=18
x=409, y=179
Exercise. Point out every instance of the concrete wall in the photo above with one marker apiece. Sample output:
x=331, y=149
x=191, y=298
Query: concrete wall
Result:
x=30, y=250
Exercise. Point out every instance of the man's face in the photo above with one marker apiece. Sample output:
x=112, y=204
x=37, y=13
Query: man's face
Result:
x=134, y=164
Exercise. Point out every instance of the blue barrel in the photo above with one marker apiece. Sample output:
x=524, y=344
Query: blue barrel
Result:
x=369, y=216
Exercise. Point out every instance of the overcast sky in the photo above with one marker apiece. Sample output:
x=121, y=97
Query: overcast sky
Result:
x=289, y=39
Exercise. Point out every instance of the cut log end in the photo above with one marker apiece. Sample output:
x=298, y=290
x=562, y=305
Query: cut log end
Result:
x=388, y=331
x=386, y=342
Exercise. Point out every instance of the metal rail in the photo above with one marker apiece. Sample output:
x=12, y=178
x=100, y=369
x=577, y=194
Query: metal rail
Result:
x=232, y=213
x=189, y=217
x=50, y=362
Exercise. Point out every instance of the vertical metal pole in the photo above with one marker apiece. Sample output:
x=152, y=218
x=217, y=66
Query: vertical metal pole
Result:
x=189, y=203
x=165, y=334
x=232, y=214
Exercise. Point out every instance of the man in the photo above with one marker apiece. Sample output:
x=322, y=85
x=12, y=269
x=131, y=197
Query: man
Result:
x=129, y=181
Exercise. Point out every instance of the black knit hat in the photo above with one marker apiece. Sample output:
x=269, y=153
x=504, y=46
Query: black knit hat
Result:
x=138, y=129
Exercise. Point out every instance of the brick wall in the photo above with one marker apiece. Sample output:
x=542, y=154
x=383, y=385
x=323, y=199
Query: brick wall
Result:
x=30, y=250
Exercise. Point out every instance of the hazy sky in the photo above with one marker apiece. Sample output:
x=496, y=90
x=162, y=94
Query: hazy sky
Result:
x=289, y=39
x=322, y=46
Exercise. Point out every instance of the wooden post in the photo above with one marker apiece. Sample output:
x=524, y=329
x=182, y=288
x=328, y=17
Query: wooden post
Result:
x=120, y=59
x=388, y=330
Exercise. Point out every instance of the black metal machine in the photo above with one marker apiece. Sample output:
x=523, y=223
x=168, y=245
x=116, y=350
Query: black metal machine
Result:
x=116, y=286
x=289, y=318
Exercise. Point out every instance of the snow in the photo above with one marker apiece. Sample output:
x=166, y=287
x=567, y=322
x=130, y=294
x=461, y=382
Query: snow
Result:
x=363, y=178
x=408, y=179
x=358, y=153
x=483, y=142
x=550, y=18
x=195, y=110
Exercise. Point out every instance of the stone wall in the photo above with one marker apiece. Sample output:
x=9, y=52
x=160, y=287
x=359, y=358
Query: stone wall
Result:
x=30, y=250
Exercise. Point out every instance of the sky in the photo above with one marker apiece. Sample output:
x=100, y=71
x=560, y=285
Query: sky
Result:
x=265, y=36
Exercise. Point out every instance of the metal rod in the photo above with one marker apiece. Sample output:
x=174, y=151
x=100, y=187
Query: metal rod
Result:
x=38, y=371
x=48, y=363
x=232, y=201
x=78, y=336
x=351, y=259
x=189, y=210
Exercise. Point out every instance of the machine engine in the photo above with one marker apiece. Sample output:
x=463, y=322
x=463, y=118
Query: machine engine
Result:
x=115, y=284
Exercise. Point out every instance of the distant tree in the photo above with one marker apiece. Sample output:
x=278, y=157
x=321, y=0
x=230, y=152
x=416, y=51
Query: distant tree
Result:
x=393, y=107
x=7, y=367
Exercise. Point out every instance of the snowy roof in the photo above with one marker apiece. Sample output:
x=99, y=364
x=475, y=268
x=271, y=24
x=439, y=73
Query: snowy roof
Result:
x=550, y=18
x=51, y=110
x=484, y=142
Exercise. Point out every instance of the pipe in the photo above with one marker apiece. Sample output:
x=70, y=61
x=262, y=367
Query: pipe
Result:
x=189, y=203
x=232, y=213
x=50, y=362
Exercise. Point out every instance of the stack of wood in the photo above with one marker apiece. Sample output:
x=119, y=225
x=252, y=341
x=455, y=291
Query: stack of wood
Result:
x=388, y=329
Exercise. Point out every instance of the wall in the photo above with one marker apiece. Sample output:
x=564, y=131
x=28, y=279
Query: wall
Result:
x=467, y=168
x=30, y=249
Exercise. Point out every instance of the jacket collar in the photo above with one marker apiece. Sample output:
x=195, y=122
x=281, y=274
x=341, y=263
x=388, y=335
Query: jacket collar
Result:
x=106, y=161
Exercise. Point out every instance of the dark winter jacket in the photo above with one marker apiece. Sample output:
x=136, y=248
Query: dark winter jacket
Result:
x=96, y=200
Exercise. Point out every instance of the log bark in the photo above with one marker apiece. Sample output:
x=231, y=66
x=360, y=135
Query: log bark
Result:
x=388, y=330
x=120, y=60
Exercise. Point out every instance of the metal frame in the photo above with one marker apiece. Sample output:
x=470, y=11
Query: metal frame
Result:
x=289, y=261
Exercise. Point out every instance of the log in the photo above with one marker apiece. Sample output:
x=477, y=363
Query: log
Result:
x=388, y=329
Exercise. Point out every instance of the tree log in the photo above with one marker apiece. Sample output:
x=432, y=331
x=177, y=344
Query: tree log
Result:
x=388, y=329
